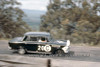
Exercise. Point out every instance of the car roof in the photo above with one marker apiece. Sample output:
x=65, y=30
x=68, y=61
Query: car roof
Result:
x=38, y=33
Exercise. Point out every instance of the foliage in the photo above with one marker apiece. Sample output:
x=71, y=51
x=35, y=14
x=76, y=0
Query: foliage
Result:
x=77, y=20
x=11, y=22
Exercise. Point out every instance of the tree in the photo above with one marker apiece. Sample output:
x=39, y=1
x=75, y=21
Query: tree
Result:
x=11, y=22
x=76, y=20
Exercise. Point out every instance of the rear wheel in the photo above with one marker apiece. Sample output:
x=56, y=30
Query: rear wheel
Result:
x=21, y=51
x=59, y=53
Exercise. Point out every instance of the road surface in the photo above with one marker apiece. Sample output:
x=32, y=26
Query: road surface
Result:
x=82, y=53
x=85, y=54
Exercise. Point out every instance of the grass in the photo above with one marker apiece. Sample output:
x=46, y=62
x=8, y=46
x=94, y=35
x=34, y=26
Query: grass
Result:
x=84, y=44
x=4, y=38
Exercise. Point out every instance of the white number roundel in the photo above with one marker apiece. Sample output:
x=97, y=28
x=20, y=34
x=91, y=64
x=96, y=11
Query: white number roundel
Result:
x=47, y=48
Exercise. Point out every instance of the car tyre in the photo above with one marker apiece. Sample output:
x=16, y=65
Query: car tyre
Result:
x=59, y=53
x=21, y=51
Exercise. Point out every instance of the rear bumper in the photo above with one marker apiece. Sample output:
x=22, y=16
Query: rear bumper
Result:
x=9, y=48
x=12, y=46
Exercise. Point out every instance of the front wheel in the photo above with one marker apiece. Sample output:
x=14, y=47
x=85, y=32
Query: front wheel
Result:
x=59, y=53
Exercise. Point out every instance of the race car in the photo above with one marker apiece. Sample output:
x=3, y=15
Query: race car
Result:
x=39, y=42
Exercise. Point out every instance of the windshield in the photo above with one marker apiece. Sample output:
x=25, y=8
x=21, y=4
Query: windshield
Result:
x=51, y=38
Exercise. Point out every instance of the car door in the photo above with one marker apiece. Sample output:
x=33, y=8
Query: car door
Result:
x=44, y=45
x=31, y=43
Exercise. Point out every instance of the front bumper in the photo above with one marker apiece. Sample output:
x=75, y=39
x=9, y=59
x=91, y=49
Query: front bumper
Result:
x=66, y=49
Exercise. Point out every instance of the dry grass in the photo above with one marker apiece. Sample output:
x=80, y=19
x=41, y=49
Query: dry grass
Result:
x=4, y=39
x=84, y=44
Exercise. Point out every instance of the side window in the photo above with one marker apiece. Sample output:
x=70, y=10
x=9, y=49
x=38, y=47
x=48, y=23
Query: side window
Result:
x=33, y=39
x=43, y=39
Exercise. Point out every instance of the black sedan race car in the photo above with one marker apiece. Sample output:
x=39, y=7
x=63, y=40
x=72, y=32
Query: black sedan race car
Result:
x=39, y=42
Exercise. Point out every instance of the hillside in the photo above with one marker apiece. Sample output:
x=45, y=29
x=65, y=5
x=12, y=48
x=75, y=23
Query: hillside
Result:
x=33, y=18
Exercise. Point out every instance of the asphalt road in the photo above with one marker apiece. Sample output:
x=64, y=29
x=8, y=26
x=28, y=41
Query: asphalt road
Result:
x=81, y=53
